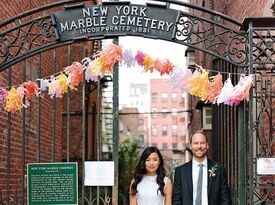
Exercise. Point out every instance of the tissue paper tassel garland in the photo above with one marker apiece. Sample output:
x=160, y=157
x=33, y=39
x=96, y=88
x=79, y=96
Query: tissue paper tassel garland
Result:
x=241, y=90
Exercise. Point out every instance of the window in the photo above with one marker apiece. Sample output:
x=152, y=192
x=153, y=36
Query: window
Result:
x=190, y=60
x=174, y=112
x=164, y=112
x=164, y=130
x=141, y=138
x=174, y=130
x=154, y=112
x=183, y=99
x=207, y=118
x=183, y=116
x=140, y=122
x=185, y=145
x=175, y=145
x=183, y=131
x=164, y=97
x=154, y=97
x=154, y=130
x=174, y=97
x=132, y=91
x=164, y=146
x=154, y=145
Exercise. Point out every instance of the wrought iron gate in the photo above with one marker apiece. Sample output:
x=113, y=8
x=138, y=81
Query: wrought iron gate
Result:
x=261, y=132
x=250, y=51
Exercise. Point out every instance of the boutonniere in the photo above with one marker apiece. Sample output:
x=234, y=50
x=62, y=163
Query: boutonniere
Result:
x=212, y=171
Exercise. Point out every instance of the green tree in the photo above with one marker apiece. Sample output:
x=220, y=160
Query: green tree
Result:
x=129, y=152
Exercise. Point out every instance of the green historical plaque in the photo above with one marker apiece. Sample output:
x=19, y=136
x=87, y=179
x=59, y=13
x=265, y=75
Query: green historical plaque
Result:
x=52, y=184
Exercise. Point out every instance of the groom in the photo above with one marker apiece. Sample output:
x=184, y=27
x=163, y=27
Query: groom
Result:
x=200, y=181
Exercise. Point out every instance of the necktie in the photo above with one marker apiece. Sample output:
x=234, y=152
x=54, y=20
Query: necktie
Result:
x=199, y=186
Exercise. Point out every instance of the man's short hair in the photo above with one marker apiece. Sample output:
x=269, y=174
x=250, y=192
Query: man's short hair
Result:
x=198, y=132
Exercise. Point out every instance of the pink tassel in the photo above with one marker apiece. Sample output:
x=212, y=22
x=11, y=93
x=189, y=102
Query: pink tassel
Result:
x=140, y=58
x=3, y=94
x=241, y=90
x=215, y=86
x=75, y=74
x=109, y=56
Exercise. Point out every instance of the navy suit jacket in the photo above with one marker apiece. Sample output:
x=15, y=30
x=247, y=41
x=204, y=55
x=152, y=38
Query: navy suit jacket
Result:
x=217, y=187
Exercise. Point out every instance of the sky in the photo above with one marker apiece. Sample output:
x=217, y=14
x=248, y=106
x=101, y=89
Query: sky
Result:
x=155, y=48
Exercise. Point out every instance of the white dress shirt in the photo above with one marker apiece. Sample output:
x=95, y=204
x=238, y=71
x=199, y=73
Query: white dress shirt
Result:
x=195, y=175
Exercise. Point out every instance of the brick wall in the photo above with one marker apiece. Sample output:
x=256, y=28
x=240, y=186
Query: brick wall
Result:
x=50, y=120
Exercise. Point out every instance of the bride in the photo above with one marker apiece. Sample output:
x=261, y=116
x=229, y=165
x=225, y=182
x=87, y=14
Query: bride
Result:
x=150, y=185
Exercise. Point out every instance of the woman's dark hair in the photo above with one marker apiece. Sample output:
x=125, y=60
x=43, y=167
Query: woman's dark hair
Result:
x=141, y=170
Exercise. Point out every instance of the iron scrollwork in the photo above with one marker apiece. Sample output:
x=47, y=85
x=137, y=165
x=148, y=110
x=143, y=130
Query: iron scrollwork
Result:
x=213, y=38
x=264, y=129
x=26, y=38
x=264, y=49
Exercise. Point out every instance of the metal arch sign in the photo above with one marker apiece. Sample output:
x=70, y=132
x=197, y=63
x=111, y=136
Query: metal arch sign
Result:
x=123, y=19
x=101, y=21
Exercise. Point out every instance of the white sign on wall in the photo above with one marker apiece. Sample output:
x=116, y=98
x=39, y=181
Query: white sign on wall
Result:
x=99, y=173
x=266, y=166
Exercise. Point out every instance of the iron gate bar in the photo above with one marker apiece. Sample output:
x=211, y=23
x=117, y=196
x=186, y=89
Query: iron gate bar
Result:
x=250, y=121
x=9, y=141
x=115, y=127
x=53, y=110
x=68, y=124
x=84, y=127
x=99, y=144
x=23, y=138
x=38, y=110
x=240, y=157
x=225, y=137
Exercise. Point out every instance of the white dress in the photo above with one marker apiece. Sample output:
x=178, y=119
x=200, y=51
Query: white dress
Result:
x=147, y=191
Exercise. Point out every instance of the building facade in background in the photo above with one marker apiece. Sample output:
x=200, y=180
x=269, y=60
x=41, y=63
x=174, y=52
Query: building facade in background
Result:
x=168, y=120
x=133, y=116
